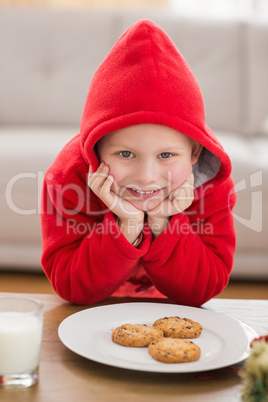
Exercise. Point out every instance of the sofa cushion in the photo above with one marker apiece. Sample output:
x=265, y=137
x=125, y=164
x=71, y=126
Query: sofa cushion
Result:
x=250, y=174
x=25, y=155
x=48, y=58
x=258, y=77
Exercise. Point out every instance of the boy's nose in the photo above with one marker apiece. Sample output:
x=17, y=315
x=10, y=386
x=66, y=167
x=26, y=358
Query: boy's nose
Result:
x=146, y=172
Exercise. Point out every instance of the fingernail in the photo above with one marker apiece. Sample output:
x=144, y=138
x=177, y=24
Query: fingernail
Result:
x=101, y=165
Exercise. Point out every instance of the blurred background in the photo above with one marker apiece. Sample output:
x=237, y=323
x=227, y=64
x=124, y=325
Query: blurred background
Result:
x=192, y=6
x=50, y=50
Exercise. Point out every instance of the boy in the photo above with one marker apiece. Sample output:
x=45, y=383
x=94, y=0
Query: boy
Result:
x=140, y=202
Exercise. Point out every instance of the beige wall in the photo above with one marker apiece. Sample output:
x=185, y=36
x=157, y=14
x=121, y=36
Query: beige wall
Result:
x=94, y=3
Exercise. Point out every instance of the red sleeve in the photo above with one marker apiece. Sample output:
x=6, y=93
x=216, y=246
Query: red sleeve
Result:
x=85, y=256
x=190, y=262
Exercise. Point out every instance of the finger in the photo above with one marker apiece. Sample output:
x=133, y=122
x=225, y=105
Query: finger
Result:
x=102, y=186
x=89, y=175
x=192, y=178
x=164, y=209
x=106, y=187
x=98, y=178
x=188, y=183
x=183, y=198
x=181, y=195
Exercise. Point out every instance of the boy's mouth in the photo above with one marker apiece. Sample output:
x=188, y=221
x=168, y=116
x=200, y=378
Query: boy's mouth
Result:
x=143, y=194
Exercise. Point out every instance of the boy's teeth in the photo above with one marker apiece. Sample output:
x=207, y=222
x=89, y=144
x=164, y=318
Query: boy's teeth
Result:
x=144, y=192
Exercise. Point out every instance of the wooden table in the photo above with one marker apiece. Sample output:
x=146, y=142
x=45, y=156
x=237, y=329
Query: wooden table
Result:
x=67, y=377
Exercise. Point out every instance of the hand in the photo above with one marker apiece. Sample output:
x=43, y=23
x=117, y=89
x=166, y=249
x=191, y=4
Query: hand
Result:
x=130, y=219
x=178, y=200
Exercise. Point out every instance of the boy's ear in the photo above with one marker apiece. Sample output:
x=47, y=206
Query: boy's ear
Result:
x=196, y=151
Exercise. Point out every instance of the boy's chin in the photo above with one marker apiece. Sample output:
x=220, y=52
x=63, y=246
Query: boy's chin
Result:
x=146, y=206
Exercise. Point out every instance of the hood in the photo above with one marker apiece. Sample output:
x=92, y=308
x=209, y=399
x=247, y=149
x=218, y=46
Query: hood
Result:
x=145, y=79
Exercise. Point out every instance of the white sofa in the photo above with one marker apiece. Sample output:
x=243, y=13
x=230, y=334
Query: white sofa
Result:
x=48, y=57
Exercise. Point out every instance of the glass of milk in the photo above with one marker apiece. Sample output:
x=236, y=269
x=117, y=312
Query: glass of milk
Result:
x=21, y=322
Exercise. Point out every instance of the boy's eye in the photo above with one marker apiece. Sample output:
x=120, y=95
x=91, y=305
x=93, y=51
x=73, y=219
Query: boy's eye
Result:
x=165, y=155
x=126, y=154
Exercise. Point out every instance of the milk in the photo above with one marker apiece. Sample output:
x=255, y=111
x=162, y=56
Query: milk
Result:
x=20, y=339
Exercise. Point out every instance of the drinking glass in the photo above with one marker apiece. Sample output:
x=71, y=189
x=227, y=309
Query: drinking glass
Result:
x=21, y=323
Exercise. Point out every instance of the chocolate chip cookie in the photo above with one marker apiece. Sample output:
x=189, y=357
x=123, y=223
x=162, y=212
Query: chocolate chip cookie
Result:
x=137, y=335
x=176, y=327
x=171, y=350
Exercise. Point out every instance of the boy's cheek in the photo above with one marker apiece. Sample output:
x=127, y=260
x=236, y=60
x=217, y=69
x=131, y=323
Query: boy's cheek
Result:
x=115, y=188
x=117, y=176
x=177, y=177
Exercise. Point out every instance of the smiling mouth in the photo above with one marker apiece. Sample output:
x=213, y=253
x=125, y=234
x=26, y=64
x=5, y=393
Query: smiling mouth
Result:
x=143, y=194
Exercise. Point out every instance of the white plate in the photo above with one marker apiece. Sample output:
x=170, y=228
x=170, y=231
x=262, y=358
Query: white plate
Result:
x=224, y=341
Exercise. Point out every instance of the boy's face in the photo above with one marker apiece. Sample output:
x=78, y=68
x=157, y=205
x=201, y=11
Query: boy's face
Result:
x=147, y=162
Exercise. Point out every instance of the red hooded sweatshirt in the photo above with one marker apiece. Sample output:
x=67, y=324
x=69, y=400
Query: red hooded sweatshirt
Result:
x=144, y=79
